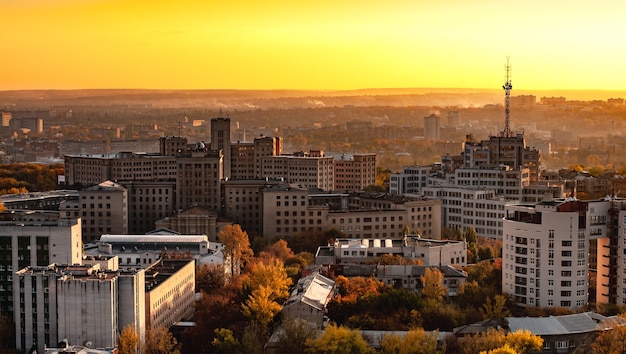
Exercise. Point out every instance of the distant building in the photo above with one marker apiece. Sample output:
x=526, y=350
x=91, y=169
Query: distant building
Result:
x=432, y=127
x=38, y=200
x=220, y=140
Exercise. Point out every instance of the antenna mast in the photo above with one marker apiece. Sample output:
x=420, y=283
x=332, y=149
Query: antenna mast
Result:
x=507, y=92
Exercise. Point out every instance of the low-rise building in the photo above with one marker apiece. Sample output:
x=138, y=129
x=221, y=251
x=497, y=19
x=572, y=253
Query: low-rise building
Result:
x=405, y=276
x=309, y=298
x=411, y=247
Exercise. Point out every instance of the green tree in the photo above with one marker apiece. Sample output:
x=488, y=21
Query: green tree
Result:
x=338, y=340
x=128, y=341
x=236, y=247
x=160, y=341
x=224, y=342
x=432, y=284
x=415, y=341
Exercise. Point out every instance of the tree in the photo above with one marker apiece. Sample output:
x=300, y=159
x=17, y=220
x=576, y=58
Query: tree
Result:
x=491, y=339
x=415, y=341
x=278, y=249
x=160, y=341
x=338, y=340
x=260, y=306
x=128, y=341
x=612, y=340
x=432, y=284
x=224, y=342
x=506, y=349
x=497, y=309
x=293, y=335
x=236, y=247
x=210, y=277
x=271, y=274
x=522, y=341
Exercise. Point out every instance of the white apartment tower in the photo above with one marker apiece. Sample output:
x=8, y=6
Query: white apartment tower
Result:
x=545, y=251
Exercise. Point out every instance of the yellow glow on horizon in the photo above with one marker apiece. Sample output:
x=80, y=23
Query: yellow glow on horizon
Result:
x=278, y=44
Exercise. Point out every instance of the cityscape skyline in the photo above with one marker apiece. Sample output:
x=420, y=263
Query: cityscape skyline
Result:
x=70, y=44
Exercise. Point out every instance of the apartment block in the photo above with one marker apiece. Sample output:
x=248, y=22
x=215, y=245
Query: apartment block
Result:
x=545, y=250
x=354, y=172
x=289, y=210
x=310, y=170
x=33, y=243
x=90, y=305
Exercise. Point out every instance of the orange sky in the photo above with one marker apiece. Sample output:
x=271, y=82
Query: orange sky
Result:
x=324, y=44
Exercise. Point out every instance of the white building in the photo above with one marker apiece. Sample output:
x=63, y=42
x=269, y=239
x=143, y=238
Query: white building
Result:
x=545, y=249
x=412, y=247
x=464, y=207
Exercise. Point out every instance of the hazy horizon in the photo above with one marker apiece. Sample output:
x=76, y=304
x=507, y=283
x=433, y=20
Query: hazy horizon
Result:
x=326, y=45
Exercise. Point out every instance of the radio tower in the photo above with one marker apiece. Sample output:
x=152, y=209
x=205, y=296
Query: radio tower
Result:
x=507, y=110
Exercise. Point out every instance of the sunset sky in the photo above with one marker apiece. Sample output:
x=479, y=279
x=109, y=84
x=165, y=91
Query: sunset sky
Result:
x=324, y=44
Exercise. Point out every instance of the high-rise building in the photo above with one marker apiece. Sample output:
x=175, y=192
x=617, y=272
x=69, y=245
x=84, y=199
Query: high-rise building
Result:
x=220, y=140
x=432, y=127
x=198, y=179
x=545, y=252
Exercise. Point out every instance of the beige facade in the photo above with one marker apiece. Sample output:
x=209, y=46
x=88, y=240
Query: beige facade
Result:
x=310, y=170
x=93, y=169
x=354, y=172
x=192, y=221
x=243, y=203
x=289, y=210
x=247, y=158
x=103, y=209
x=170, y=292
x=198, y=180
x=148, y=202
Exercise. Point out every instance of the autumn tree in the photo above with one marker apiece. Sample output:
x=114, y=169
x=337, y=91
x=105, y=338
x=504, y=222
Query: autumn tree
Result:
x=506, y=349
x=338, y=340
x=160, y=341
x=522, y=341
x=432, y=284
x=292, y=336
x=128, y=341
x=612, y=340
x=485, y=341
x=260, y=307
x=236, y=247
x=495, y=309
x=415, y=341
x=210, y=277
